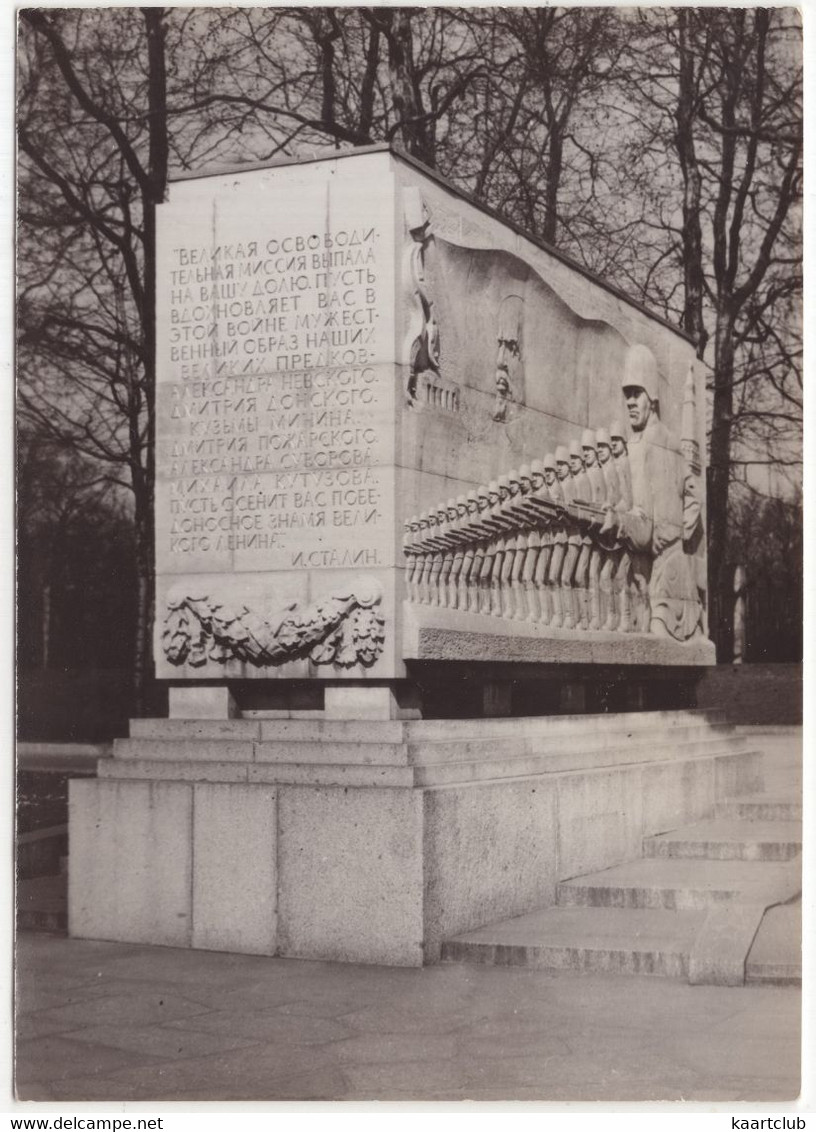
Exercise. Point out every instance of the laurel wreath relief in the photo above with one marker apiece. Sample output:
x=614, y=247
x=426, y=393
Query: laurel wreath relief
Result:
x=345, y=629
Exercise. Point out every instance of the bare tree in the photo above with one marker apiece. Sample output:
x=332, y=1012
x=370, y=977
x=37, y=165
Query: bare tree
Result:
x=63, y=499
x=708, y=102
x=96, y=138
x=662, y=148
x=739, y=129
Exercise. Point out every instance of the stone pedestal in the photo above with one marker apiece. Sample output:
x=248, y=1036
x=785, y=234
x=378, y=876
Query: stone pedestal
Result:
x=372, y=841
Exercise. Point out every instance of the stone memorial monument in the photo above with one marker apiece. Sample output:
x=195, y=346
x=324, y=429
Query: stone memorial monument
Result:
x=410, y=464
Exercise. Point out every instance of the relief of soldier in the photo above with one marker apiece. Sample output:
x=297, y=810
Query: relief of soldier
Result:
x=590, y=538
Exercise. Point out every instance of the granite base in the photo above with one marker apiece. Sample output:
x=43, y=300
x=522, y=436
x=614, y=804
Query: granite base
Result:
x=373, y=841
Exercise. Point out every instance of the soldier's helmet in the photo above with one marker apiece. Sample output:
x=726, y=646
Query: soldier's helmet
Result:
x=602, y=437
x=549, y=461
x=561, y=455
x=616, y=431
x=588, y=438
x=576, y=450
x=640, y=370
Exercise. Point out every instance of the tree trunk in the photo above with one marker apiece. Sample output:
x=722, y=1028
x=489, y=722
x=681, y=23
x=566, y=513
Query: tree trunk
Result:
x=404, y=89
x=719, y=481
x=145, y=602
x=144, y=473
x=554, y=169
x=693, y=322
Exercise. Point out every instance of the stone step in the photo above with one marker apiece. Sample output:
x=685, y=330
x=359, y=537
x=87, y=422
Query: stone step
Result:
x=640, y=743
x=776, y=953
x=421, y=731
x=555, y=726
x=560, y=753
x=502, y=765
x=42, y=904
x=333, y=765
x=761, y=807
x=597, y=940
x=729, y=840
x=194, y=729
x=185, y=749
x=681, y=885
x=301, y=773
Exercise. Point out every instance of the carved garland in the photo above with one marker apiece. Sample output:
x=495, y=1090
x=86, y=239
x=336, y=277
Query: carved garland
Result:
x=344, y=629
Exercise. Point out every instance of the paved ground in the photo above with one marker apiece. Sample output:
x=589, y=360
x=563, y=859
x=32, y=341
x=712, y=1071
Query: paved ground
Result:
x=118, y=1022
x=115, y=1022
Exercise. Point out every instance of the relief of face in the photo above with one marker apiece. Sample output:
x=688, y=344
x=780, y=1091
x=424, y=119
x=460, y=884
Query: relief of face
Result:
x=563, y=469
x=508, y=347
x=576, y=465
x=604, y=453
x=638, y=406
x=549, y=476
x=539, y=480
x=618, y=446
x=508, y=364
x=590, y=456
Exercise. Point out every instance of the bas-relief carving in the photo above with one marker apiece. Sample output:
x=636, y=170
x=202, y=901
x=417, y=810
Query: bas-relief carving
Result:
x=593, y=537
x=425, y=385
x=490, y=302
x=666, y=506
x=343, y=629
x=509, y=362
x=512, y=343
x=464, y=228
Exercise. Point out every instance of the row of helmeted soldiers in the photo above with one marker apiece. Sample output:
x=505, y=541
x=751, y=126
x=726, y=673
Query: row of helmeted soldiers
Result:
x=532, y=546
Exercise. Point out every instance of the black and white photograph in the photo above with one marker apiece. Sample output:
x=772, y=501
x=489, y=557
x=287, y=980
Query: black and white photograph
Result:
x=410, y=579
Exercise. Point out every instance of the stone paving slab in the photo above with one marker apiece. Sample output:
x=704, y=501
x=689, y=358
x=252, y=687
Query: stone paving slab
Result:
x=114, y=1022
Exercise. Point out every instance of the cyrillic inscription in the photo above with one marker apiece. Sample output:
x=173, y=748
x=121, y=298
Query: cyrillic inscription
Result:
x=271, y=435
